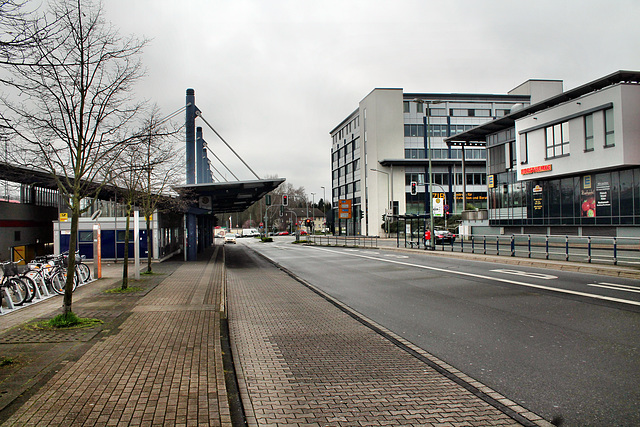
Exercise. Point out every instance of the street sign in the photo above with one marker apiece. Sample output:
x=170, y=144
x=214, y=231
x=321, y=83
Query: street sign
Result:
x=438, y=207
x=344, y=209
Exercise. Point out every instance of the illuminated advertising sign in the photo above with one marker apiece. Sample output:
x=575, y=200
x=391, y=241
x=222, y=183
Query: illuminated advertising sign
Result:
x=535, y=169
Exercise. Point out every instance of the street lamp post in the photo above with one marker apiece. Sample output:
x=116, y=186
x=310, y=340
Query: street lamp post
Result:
x=427, y=148
x=313, y=202
x=386, y=216
x=324, y=210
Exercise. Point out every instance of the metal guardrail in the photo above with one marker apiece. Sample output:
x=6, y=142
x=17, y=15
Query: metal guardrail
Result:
x=589, y=249
x=345, y=241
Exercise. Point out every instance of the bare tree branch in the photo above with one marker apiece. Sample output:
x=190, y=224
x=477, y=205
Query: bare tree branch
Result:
x=71, y=99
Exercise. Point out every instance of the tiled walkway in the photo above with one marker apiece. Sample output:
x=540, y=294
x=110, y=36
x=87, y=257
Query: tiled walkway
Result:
x=306, y=362
x=301, y=360
x=162, y=367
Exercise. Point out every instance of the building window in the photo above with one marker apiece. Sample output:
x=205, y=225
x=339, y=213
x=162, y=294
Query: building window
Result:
x=609, y=137
x=524, y=149
x=414, y=153
x=437, y=112
x=441, y=178
x=459, y=112
x=588, y=132
x=557, y=140
x=420, y=107
x=414, y=177
x=121, y=234
x=414, y=130
x=406, y=105
x=85, y=236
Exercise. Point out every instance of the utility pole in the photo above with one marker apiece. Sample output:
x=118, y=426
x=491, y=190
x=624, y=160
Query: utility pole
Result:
x=427, y=148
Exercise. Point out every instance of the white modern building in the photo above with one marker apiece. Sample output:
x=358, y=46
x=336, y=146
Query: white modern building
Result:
x=568, y=164
x=384, y=146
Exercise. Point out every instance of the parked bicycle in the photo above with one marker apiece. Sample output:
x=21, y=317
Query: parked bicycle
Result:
x=11, y=286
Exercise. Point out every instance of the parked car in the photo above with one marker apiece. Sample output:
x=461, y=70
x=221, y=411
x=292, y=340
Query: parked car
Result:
x=444, y=236
x=230, y=238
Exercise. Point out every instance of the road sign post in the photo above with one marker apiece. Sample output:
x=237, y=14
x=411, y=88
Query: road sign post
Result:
x=344, y=211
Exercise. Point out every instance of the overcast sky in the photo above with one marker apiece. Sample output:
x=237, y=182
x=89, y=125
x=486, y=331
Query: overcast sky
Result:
x=274, y=77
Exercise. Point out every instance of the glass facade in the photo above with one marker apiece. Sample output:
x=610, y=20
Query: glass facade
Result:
x=605, y=198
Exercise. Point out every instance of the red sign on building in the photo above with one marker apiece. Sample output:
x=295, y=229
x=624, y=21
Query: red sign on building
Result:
x=535, y=169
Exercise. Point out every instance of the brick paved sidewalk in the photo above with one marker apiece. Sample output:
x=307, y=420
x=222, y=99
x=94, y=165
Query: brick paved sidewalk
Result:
x=162, y=366
x=302, y=361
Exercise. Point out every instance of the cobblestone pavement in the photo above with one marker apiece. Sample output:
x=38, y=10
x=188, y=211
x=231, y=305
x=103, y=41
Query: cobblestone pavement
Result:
x=161, y=366
x=302, y=361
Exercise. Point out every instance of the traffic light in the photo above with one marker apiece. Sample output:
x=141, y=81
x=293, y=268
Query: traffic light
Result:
x=285, y=200
x=281, y=210
x=414, y=188
x=267, y=199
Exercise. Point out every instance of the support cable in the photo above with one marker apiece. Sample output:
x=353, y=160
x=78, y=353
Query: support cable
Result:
x=219, y=173
x=218, y=159
x=199, y=114
x=172, y=115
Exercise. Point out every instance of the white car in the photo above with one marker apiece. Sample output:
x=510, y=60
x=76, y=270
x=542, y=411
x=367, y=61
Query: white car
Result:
x=230, y=238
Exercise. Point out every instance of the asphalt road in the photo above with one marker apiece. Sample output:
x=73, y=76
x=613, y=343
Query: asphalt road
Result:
x=564, y=345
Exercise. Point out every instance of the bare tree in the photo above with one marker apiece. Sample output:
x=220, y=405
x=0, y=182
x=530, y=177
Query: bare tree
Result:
x=127, y=177
x=163, y=168
x=17, y=23
x=75, y=97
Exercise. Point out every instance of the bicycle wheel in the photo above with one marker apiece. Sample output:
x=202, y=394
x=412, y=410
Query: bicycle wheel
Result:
x=37, y=277
x=58, y=281
x=17, y=290
x=84, y=272
x=31, y=286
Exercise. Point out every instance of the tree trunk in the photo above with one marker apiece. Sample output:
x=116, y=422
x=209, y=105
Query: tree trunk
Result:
x=73, y=241
x=125, y=263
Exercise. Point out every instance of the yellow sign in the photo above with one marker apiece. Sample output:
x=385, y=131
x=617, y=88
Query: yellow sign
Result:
x=64, y=216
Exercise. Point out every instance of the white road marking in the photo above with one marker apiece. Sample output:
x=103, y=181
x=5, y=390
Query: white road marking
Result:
x=614, y=286
x=498, y=279
x=527, y=274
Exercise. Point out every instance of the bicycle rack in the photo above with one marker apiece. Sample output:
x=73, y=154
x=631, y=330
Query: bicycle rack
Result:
x=10, y=305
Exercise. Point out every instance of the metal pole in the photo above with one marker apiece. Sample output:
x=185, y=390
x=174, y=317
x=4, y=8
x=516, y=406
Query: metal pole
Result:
x=324, y=209
x=386, y=216
x=427, y=139
x=136, y=246
x=431, y=241
x=313, y=202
